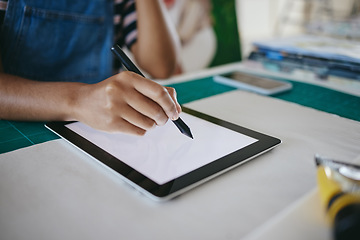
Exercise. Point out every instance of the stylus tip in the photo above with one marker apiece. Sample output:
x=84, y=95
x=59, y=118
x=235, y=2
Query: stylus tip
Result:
x=184, y=129
x=188, y=133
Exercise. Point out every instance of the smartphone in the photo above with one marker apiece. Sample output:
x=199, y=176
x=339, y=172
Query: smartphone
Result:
x=253, y=83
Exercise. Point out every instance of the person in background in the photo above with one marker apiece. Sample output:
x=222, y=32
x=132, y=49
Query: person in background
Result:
x=56, y=63
x=195, y=27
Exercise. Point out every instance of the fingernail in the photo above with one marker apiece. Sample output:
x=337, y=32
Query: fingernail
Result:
x=175, y=116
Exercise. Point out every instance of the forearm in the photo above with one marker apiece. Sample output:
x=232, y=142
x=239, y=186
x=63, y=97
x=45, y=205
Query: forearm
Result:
x=22, y=99
x=157, y=46
x=125, y=102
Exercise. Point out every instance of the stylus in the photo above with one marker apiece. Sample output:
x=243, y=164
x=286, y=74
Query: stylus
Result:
x=129, y=65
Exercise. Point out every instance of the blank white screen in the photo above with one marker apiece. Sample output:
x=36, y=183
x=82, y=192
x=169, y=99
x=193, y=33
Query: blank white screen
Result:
x=164, y=154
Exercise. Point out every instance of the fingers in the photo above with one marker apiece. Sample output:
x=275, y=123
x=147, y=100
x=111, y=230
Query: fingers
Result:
x=160, y=95
x=124, y=103
x=121, y=125
x=135, y=104
x=137, y=119
x=147, y=107
x=173, y=95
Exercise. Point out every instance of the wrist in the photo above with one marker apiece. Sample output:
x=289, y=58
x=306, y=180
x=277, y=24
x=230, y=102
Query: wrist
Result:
x=75, y=101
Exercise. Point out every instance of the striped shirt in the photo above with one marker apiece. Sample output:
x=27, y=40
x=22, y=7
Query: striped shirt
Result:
x=125, y=19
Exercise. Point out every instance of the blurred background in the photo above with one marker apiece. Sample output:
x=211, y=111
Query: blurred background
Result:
x=216, y=32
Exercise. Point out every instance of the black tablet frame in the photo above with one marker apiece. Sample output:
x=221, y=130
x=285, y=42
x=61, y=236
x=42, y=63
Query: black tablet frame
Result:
x=184, y=182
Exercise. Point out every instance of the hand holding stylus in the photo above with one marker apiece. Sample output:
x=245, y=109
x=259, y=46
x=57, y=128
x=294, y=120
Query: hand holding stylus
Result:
x=126, y=102
x=129, y=65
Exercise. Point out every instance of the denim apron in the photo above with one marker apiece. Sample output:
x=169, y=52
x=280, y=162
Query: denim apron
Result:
x=58, y=40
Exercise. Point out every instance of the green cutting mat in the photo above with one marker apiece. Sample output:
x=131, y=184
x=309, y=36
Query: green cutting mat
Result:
x=309, y=95
x=15, y=135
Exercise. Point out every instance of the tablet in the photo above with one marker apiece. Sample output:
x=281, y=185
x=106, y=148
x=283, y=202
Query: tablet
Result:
x=165, y=163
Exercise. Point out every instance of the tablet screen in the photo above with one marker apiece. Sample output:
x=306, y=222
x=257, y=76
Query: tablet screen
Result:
x=165, y=163
x=165, y=154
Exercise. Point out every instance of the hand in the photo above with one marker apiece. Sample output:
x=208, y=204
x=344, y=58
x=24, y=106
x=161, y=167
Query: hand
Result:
x=127, y=103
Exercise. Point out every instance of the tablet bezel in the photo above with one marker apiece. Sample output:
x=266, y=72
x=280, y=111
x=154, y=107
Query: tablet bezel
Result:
x=184, y=182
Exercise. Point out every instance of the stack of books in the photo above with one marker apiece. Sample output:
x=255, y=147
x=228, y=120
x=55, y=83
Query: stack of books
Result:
x=324, y=56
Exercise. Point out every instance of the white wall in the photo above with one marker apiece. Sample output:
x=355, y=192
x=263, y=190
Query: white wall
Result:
x=260, y=19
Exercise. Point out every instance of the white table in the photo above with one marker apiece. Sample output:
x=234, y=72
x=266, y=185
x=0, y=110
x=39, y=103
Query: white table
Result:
x=54, y=191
